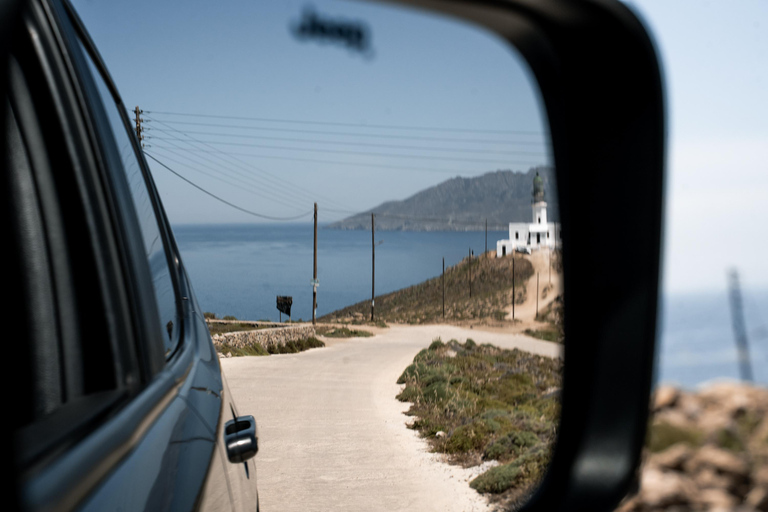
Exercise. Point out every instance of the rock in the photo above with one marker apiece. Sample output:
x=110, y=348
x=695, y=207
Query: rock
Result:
x=717, y=458
x=713, y=420
x=673, y=457
x=729, y=472
x=760, y=477
x=733, y=397
x=630, y=505
x=439, y=433
x=665, y=396
x=757, y=498
x=676, y=418
x=690, y=405
x=660, y=489
x=709, y=478
x=716, y=499
x=229, y=354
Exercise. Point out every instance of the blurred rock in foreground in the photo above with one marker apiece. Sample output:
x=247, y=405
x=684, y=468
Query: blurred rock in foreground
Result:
x=706, y=450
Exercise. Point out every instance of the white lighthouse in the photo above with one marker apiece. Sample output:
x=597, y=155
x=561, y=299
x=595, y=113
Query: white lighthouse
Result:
x=539, y=233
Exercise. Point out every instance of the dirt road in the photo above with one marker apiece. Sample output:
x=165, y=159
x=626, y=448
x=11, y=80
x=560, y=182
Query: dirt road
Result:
x=550, y=286
x=333, y=437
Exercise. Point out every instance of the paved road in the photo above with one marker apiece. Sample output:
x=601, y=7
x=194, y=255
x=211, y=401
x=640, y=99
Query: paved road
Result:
x=333, y=437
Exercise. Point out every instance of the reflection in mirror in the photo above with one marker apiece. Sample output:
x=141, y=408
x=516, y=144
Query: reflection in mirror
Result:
x=377, y=181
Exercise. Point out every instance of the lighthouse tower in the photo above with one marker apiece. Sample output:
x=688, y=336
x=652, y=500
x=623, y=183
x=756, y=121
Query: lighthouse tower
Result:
x=525, y=237
x=539, y=204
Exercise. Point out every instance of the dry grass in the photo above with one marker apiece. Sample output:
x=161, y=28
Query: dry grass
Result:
x=423, y=303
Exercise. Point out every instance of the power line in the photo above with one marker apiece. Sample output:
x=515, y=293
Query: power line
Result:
x=363, y=165
x=479, y=222
x=255, y=214
x=312, y=196
x=240, y=186
x=353, y=153
x=448, y=221
x=378, y=214
x=348, y=134
x=361, y=144
x=286, y=195
x=356, y=125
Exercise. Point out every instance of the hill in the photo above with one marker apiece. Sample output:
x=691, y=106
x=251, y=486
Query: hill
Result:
x=462, y=204
x=423, y=303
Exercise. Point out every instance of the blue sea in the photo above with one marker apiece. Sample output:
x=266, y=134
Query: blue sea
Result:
x=239, y=270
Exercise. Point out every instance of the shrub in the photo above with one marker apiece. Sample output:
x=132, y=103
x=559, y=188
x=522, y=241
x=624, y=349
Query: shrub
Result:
x=468, y=437
x=289, y=348
x=510, y=445
x=436, y=344
x=497, y=480
x=730, y=440
x=662, y=435
x=255, y=350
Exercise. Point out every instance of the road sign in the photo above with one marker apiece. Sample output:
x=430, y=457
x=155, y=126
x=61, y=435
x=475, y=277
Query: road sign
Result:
x=284, y=304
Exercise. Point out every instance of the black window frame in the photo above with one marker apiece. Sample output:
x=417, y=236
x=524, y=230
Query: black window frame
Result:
x=71, y=470
x=52, y=133
x=150, y=346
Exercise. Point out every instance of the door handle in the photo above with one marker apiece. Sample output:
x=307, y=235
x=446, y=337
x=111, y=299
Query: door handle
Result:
x=240, y=439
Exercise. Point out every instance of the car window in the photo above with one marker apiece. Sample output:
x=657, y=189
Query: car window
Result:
x=154, y=245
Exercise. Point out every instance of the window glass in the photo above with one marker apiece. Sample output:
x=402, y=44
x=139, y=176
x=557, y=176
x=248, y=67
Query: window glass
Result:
x=148, y=221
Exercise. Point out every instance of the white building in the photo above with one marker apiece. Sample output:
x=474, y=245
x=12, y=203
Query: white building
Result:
x=538, y=233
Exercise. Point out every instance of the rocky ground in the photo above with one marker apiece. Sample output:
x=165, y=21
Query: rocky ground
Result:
x=706, y=450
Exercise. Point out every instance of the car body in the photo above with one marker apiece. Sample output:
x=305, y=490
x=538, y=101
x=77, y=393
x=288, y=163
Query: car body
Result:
x=124, y=405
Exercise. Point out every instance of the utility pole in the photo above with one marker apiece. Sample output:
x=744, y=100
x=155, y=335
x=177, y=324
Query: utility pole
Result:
x=537, y=295
x=469, y=262
x=373, y=264
x=514, y=295
x=486, y=236
x=739, y=329
x=138, y=120
x=314, y=275
x=443, y=287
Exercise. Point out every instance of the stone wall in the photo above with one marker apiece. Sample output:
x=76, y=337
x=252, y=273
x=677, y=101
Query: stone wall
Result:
x=265, y=337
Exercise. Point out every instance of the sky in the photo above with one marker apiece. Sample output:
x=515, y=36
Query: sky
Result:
x=324, y=123
x=473, y=92
x=714, y=55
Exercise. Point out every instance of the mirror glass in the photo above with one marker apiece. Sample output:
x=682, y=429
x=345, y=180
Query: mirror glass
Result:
x=377, y=181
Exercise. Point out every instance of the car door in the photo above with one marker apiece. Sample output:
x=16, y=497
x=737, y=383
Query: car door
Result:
x=122, y=392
